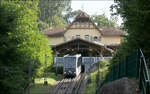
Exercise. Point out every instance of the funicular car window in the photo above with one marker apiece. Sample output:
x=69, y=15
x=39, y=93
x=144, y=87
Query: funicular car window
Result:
x=88, y=60
x=59, y=59
x=79, y=62
x=70, y=62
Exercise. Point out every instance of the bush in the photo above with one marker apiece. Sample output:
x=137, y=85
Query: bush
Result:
x=59, y=70
x=104, y=67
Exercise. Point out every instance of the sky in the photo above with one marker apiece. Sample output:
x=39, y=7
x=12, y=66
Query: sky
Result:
x=94, y=7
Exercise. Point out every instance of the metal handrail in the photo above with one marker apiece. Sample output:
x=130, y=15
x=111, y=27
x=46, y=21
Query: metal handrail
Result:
x=142, y=56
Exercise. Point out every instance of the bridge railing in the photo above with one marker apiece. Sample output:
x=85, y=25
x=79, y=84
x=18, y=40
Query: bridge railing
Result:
x=133, y=66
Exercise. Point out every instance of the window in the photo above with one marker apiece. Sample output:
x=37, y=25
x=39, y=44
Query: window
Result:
x=64, y=38
x=77, y=36
x=95, y=38
x=82, y=22
x=73, y=37
x=77, y=22
x=87, y=22
x=86, y=37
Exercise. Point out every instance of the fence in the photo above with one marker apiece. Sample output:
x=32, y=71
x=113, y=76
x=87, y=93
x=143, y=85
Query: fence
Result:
x=133, y=66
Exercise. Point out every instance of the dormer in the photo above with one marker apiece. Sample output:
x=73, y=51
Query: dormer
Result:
x=82, y=20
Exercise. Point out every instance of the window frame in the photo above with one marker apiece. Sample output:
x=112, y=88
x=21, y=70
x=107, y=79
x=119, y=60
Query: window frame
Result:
x=87, y=22
x=87, y=37
x=82, y=22
x=77, y=36
x=77, y=22
x=95, y=38
x=65, y=38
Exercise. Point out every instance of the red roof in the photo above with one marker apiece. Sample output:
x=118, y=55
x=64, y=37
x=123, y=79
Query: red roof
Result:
x=111, y=31
x=107, y=31
x=54, y=31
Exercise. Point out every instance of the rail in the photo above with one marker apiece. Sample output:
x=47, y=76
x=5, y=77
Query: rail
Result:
x=65, y=86
x=143, y=74
x=133, y=66
x=77, y=87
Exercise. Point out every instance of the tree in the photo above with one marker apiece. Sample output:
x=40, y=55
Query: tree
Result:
x=71, y=15
x=21, y=44
x=136, y=19
x=103, y=21
x=52, y=12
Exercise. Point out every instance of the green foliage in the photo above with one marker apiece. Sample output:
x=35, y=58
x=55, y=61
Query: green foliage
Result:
x=52, y=12
x=136, y=17
x=59, y=69
x=21, y=44
x=40, y=88
x=103, y=21
x=42, y=25
x=57, y=21
x=71, y=15
x=103, y=69
x=91, y=87
x=121, y=53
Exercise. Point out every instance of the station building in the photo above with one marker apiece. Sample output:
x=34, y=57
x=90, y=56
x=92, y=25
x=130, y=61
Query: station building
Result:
x=84, y=37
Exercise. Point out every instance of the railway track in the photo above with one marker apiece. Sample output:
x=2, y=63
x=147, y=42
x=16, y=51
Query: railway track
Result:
x=77, y=88
x=65, y=86
x=69, y=86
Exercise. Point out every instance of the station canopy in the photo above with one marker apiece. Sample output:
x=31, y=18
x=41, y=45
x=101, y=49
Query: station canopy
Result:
x=83, y=47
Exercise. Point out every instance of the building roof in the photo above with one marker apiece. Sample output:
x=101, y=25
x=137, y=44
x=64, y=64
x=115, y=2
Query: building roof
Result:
x=107, y=31
x=79, y=39
x=111, y=31
x=82, y=15
x=84, y=41
x=54, y=31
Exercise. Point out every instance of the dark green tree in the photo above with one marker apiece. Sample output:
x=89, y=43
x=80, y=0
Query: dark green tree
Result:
x=21, y=44
x=71, y=15
x=136, y=17
x=52, y=12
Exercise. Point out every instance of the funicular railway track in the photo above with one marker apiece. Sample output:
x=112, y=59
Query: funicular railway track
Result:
x=77, y=88
x=65, y=86
x=69, y=86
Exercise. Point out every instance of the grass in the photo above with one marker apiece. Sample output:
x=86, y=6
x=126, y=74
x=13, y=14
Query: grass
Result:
x=91, y=87
x=39, y=88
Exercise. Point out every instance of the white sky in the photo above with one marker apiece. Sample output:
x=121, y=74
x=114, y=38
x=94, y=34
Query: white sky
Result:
x=94, y=7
